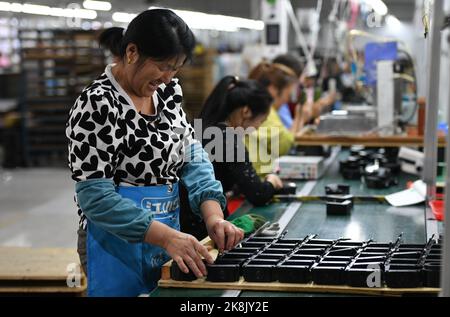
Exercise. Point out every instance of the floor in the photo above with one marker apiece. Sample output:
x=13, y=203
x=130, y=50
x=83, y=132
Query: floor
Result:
x=37, y=208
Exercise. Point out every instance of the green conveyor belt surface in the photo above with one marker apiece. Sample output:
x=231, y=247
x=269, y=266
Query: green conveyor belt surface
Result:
x=367, y=221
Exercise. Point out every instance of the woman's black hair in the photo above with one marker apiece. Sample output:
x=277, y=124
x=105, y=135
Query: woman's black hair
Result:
x=109, y=38
x=157, y=33
x=231, y=94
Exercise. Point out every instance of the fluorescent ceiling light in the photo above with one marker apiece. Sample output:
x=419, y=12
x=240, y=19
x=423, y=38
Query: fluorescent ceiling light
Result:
x=4, y=6
x=74, y=13
x=393, y=22
x=35, y=9
x=46, y=10
x=204, y=21
x=199, y=20
x=11, y=7
x=123, y=17
x=97, y=5
x=378, y=6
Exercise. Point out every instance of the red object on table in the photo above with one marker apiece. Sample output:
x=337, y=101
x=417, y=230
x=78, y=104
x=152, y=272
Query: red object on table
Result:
x=234, y=203
x=437, y=207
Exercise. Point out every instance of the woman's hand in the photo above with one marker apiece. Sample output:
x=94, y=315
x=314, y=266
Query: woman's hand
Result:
x=183, y=248
x=187, y=251
x=224, y=234
x=275, y=181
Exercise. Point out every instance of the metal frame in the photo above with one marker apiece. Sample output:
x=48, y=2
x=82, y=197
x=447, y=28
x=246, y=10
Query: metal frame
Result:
x=432, y=107
x=431, y=138
x=445, y=272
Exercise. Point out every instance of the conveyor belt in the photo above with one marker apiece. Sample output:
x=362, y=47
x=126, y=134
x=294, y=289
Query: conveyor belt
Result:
x=378, y=222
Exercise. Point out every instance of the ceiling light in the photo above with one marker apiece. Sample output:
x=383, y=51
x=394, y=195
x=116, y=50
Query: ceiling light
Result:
x=75, y=13
x=123, y=17
x=203, y=21
x=35, y=9
x=97, y=5
x=199, y=20
x=46, y=10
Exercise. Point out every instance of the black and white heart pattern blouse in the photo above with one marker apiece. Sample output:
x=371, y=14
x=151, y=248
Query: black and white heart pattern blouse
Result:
x=108, y=138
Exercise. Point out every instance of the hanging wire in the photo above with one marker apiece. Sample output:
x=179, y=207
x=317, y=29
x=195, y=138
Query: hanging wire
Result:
x=426, y=24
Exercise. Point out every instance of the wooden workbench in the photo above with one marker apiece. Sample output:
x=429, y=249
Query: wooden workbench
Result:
x=40, y=271
x=375, y=141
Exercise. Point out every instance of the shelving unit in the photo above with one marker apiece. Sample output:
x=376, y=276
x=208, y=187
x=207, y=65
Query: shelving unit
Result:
x=56, y=66
x=9, y=45
x=197, y=81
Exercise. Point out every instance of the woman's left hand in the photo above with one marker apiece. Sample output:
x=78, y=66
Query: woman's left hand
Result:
x=224, y=234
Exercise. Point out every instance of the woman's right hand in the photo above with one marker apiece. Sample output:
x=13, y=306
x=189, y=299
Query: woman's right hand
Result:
x=275, y=181
x=187, y=251
x=183, y=248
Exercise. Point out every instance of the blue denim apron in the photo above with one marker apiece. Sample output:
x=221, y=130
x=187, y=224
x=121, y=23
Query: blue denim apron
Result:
x=119, y=268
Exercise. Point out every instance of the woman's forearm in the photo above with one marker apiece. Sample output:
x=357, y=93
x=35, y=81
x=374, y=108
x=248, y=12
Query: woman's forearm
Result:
x=211, y=209
x=298, y=123
x=158, y=234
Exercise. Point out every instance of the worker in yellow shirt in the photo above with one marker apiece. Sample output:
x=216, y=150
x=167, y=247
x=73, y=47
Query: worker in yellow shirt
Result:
x=273, y=139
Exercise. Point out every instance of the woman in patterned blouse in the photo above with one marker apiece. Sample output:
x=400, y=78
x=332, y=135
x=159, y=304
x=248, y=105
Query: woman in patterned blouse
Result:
x=129, y=146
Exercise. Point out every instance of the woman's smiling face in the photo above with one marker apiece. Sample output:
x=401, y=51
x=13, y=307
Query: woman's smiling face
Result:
x=145, y=76
x=150, y=74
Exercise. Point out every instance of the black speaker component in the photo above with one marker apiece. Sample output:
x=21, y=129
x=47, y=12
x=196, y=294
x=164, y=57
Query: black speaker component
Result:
x=340, y=199
x=177, y=275
x=337, y=189
x=259, y=271
x=393, y=166
x=294, y=272
x=350, y=168
x=339, y=208
x=380, y=178
x=326, y=262
x=355, y=149
x=354, y=166
x=328, y=274
x=223, y=273
x=287, y=189
x=403, y=276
